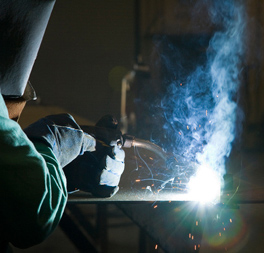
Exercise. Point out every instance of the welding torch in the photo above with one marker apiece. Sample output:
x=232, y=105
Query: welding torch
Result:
x=106, y=135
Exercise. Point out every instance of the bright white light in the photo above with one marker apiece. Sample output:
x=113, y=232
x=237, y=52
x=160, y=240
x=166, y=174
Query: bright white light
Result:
x=205, y=185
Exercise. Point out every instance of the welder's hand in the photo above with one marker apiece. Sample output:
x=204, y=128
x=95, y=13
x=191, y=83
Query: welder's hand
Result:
x=111, y=165
x=105, y=130
x=99, y=172
x=62, y=134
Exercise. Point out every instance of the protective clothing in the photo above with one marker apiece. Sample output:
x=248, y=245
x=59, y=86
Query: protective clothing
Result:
x=33, y=184
x=99, y=172
x=22, y=26
x=32, y=188
x=63, y=135
x=113, y=167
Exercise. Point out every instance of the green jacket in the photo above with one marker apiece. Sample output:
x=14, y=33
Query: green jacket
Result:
x=32, y=186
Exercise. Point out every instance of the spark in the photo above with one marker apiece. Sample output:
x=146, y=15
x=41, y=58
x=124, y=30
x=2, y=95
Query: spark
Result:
x=155, y=206
x=230, y=220
x=138, y=180
x=148, y=188
x=190, y=235
x=144, y=162
x=196, y=223
x=156, y=246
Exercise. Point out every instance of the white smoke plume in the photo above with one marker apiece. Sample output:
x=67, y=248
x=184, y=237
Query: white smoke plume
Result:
x=201, y=112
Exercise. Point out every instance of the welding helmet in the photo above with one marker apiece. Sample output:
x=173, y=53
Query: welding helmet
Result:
x=22, y=26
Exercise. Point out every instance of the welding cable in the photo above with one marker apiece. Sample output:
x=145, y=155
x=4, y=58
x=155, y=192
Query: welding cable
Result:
x=172, y=160
x=130, y=141
x=124, y=141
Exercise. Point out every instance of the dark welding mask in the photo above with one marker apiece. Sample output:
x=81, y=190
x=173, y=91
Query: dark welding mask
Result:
x=29, y=94
x=22, y=26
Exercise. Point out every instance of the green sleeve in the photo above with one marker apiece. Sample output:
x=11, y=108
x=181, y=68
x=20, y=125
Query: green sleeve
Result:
x=32, y=186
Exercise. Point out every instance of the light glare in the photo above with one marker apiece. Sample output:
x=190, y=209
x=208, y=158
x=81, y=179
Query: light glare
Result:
x=204, y=186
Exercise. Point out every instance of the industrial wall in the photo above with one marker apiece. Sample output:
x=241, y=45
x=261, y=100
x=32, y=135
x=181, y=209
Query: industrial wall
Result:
x=87, y=47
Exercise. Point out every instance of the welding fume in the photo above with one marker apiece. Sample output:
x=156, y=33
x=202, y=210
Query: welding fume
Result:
x=201, y=107
x=195, y=115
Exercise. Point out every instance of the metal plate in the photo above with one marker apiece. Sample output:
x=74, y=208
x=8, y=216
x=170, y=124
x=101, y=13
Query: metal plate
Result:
x=147, y=177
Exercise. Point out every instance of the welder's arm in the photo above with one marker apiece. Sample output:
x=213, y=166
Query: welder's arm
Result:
x=32, y=186
x=99, y=163
x=63, y=135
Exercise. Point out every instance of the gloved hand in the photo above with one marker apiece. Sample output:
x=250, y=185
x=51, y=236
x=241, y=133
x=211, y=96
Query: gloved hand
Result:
x=99, y=172
x=62, y=134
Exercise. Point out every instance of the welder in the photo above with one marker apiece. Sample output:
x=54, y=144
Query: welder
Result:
x=33, y=185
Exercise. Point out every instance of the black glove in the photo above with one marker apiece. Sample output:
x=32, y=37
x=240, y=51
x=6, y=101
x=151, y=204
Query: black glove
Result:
x=99, y=172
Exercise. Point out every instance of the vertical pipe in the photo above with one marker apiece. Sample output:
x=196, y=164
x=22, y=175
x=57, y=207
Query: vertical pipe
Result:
x=137, y=30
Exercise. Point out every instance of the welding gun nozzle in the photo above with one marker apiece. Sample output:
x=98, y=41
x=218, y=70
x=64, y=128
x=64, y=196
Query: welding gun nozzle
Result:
x=128, y=140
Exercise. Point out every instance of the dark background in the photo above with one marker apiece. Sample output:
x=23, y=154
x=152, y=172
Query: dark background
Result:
x=87, y=48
